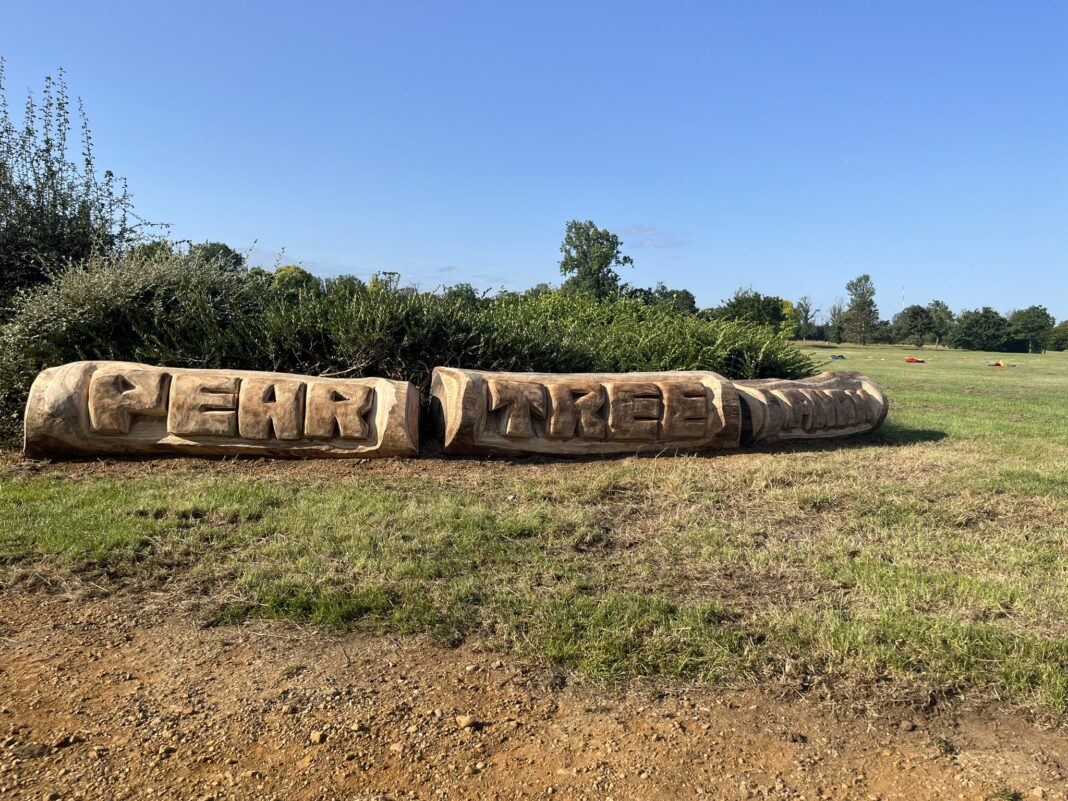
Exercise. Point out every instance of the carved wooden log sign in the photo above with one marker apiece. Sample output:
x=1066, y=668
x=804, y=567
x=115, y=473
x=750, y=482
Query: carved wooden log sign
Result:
x=479, y=412
x=94, y=408
x=97, y=408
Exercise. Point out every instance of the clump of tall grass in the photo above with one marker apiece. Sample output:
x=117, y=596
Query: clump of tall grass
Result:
x=173, y=309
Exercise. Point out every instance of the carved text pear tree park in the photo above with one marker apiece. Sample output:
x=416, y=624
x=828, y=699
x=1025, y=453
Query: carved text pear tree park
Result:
x=101, y=408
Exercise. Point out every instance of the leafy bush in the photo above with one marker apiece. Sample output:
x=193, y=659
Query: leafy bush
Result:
x=53, y=207
x=174, y=309
x=982, y=329
x=1058, y=338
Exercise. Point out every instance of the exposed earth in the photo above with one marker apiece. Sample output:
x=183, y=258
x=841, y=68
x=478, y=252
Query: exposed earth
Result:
x=128, y=696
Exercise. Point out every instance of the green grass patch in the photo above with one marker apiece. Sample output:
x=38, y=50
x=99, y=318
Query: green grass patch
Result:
x=932, y=555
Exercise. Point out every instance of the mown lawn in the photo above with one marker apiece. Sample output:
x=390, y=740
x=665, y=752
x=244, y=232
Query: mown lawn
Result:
x=927, y=561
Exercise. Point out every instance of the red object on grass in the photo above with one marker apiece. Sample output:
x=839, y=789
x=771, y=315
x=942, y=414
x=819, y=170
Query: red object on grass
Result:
x=914, y=360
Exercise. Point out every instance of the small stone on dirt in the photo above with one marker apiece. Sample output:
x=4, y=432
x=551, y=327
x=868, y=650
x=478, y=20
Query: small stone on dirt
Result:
x=908, y=725
x=465, y=721
x=317, y=737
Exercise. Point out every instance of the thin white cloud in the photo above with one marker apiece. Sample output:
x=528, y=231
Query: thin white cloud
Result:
x=648, y=237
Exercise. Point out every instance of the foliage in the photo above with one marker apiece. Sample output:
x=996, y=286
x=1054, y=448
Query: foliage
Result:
x=219, y=253
x=170, y=308
x=862, y=315
x=836, y=321
x=54, y=208
x=913, y=324
x=942, y=320
x=292, y=280
x=1058, y=338
x=981, y=329
x=806, y=317
x=753, y=307
x=590, y=256
x=790, y=322
x=681, y=300
x=1031, y=326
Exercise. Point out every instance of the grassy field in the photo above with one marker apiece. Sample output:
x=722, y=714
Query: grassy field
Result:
x=928, y=561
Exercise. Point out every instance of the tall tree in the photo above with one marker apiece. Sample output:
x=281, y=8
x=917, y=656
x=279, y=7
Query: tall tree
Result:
x=836, y=321
x=942, y=319
x=790, y=323
x=1033, y=326
x=862, y=315
x=750, y=305
x=590, y=256
x=218, y=252
x=912, y=324
x=981, y=329
x=681, y=300
x=806, y=314
x=1058, y=338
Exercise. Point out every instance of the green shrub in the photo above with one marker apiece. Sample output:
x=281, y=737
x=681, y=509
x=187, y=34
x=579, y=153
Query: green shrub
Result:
x=173, y=309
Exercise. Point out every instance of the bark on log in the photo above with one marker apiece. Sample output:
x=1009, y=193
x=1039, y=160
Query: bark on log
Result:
x=599, y=413
x=96, y=408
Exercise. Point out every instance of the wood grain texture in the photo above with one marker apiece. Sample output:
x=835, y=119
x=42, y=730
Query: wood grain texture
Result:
x=823, y=406
x=600, y=413
x=579, y=414
x=96, y=408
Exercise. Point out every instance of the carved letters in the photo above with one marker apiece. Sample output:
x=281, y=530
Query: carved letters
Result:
x=826, y=405
x=115, y=407
x=96, y=408
x=116, y=395
x=478, y=412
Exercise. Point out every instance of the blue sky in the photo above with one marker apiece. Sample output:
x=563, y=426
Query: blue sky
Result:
x=784, y=146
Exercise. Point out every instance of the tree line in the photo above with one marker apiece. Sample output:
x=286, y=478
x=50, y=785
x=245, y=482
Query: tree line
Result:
x=56, y=211
x=591, y=256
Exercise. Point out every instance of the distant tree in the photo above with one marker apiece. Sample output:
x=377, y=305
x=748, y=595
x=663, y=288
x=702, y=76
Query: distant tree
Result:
x=1058, y=337
x=539, y=289
x=54, y=209
x=464, y=292
x=882, y=332
x=590, y=255
x=913, y=325
x=836, y=321
x=154, y=248
x=750, y=305
x=385, y=281
x=681, y=300
x=1032, y=326
x=343, y=285
x=862, y=315
x=981, y=329
x=790, y=323
x=942, y=320
x=806, y=314
x=291, y=279
x=221, y=253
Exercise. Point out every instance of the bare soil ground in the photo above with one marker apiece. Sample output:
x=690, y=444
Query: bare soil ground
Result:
x=127, y=696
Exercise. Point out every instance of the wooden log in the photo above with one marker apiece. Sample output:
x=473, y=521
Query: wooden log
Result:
x=97, y=408
x=826, y=405
x=583, y=413
x=580, y=414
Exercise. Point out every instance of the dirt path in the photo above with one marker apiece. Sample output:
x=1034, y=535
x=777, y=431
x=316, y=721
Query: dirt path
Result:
x=124, y=698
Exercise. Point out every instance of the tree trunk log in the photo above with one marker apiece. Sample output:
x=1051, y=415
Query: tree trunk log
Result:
x=97, y=408
x=601, y=413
